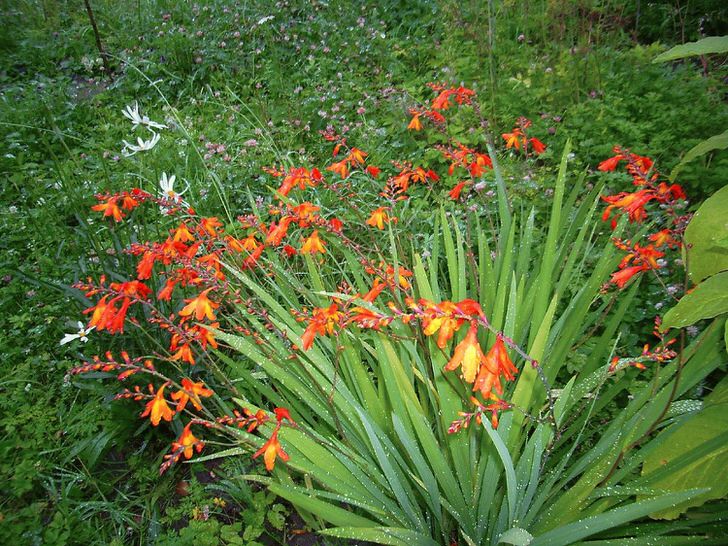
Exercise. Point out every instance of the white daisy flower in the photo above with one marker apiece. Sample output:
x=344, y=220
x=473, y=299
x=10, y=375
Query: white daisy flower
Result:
x=167, y=191
x=133, y=115
x=82, y=334
x=142, y=145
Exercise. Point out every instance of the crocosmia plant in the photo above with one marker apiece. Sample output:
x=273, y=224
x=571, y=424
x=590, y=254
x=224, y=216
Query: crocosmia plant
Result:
x=402, y=350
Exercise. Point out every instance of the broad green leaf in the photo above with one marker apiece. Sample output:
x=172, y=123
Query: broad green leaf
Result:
x=706, y=46
x=684, y=436
x=708, y=300
x=706, y=237
x=717, y=142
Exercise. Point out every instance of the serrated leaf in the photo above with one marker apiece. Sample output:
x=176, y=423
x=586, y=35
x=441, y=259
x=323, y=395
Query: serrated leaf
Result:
x=706, y=46
x=708, y=300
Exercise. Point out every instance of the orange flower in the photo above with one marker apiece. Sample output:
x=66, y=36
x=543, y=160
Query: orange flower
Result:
x=210, y=224
x=188, y=441
x=440, y=317
x=664, y=237
x=622, y=277
x=340, y=167
x=191, y=391
x=110, y=208
x=631, y=203
x=455, y=192
x=415, y=124
x=98, y=310
x=182, y=234
x=468, y=354
x=378, y=218
x=322, y=322
x=377, y=288
x=494, y=364
x=184, y=352
x=278, y=232
x=313, y=244
x=201, y=306
x=158, y=409
x=356, y=156
x=270, y=450
x=514, y=139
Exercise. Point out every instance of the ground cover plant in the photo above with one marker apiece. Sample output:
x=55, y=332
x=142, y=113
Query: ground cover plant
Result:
x=364, y=301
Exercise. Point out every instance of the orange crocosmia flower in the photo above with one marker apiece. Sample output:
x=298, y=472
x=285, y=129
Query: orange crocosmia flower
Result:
x=278, y=231
x=631, y=203
x=340, y=167
x=469, y=307
x=257, y=420
x=313, y=244
x=494, y=364
x=184, y=352
x=357, y=156
x=145, y=265
x=538, y=146
x=514, y=139
x=440, y=318
x=98, y=310
x=664, y=238
x=442, y=101
x=128, y=202
x=189, y=442
x=210, y=224
x=455, y=192
x=157, y=408
x=305, y=213
x=611, y=163
x=415, y=124
x=468, y=355
x=322, y=322
x=376, y=289
x=250, y=243
x=206, y=335
x=378, y=218
x=402, y=276
x=191, y=391
x=622, y=277
x=200, y=306
x=668, y=193
x=110, y=208
x=165, y=294
x=182, y=234
x=270, y=450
